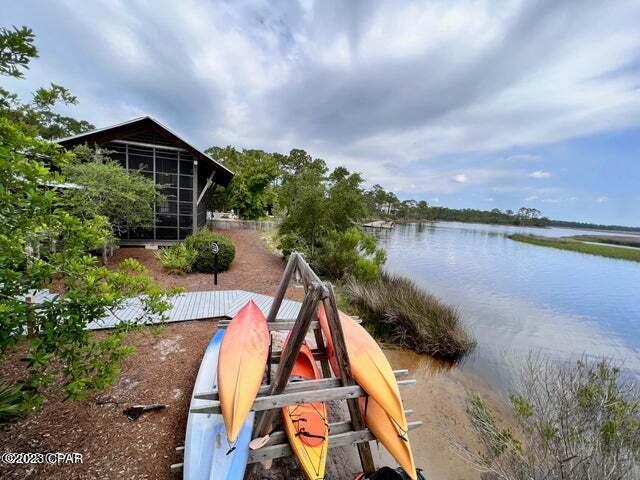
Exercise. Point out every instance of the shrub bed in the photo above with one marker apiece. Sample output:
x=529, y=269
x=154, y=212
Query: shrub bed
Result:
x=177, y=259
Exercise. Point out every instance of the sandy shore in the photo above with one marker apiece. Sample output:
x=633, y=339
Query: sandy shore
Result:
x=163, y=370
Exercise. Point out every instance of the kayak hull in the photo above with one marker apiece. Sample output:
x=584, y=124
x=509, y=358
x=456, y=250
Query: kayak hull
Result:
x=386, y=433
x=206, y=446
x=371, y=370
x=369, y=366
x=243, y=357
x=306, y=425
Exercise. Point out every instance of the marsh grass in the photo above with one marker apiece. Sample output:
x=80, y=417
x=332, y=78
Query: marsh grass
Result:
x=632, y=254
x=398, y=311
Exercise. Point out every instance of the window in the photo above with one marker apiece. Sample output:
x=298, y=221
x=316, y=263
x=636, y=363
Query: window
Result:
x=186, y=168
x=168, y=207
x=166, y=179
x=140, y=158
x=166, y=161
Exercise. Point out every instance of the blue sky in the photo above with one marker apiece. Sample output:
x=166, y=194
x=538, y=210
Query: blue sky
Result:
x=485, y=104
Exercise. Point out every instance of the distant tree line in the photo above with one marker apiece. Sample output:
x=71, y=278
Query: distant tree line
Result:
x=593, y=226
x=264, y=184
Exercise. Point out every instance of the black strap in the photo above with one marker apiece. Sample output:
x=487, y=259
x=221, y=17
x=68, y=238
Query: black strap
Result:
x=302, y=433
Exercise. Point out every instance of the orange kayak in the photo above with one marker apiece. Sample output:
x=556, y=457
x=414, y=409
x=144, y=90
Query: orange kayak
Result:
x=306, y=425
x=243, y=357
x=371, y=370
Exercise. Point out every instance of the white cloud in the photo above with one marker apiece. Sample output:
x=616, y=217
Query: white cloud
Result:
x=392, y=89
x=539, y=174
x=531, y=198
x=460, y=178
x=602, y=199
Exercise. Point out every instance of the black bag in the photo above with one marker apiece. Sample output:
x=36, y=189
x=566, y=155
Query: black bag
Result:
x=388, y=473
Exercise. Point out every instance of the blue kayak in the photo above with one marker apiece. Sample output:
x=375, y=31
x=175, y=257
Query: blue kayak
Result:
x=207, y=453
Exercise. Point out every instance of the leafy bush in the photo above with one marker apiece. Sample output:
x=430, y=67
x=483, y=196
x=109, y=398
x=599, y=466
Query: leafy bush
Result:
x=289, y=243
x=11, y=401
x=201, y=242
x=352, y=252
x=576, y=421
x=177, y=259
x=398, y=310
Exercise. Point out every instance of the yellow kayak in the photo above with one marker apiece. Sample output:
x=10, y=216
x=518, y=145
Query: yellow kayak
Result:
x=385, y=431
x=371, y=370
x=306, y=425
x=243, y=357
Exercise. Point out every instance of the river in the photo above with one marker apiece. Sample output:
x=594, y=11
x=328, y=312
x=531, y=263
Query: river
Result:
x=517, y=298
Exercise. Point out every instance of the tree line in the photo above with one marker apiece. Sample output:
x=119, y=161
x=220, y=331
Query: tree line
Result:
x=261, y=186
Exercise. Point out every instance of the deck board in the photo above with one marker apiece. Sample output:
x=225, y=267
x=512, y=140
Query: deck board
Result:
x=190, y=306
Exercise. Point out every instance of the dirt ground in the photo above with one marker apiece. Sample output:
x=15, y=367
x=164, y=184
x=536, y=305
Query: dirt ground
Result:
x=254, y=268
x=163, y=369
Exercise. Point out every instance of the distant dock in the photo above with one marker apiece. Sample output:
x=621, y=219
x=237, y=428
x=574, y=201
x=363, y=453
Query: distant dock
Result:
x=379, y=224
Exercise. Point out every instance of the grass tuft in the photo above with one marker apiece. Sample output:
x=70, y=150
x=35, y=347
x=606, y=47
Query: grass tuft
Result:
x=402, y=313
x=567, y=243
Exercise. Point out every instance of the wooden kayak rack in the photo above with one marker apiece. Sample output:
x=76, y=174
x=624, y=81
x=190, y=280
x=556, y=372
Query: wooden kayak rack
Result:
x=279, y=392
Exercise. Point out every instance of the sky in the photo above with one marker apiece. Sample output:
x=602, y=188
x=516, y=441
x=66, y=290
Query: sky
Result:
x=480, y=104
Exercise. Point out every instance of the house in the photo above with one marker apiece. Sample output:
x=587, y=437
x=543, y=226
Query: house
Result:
x=188, y=176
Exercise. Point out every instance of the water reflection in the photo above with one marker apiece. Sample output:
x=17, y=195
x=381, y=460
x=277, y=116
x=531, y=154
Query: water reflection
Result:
x=516, y=297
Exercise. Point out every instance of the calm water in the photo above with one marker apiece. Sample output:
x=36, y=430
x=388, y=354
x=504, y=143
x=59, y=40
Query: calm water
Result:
x=517, y=297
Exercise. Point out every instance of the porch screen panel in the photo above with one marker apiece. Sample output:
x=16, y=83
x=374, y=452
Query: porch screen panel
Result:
x=167, y=219
x=117, y=152
x=185, y=194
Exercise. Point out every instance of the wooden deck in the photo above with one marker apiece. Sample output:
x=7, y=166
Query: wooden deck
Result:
x=192, y=306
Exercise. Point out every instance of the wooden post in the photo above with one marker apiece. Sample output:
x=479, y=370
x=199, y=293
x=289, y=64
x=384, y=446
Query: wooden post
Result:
x=30, y=301
x=324, y=363
x=342, y=357
x=298, y=332
x=282, y=288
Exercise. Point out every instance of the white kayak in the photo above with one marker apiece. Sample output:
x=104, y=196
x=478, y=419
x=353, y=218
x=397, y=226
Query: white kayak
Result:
x=207, y=453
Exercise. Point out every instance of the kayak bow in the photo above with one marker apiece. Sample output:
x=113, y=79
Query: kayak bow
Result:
x=243, y=356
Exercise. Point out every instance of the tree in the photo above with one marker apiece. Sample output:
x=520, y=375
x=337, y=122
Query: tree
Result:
x=319, y=212
x=41, y=241
x=250, y=192
x=17, y=49
x=345, y=198
x=351, y=252
x=106, y=189
x=298, y=170
x=303, y=199
x=44, y=246
x=39, y=116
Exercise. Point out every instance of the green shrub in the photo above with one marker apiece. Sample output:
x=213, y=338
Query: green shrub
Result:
x=177, y=259
x=11, y=402
x=396, y=309
x=570, y=421
x=289, y=243
x=201, y=241
x=352, y=252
